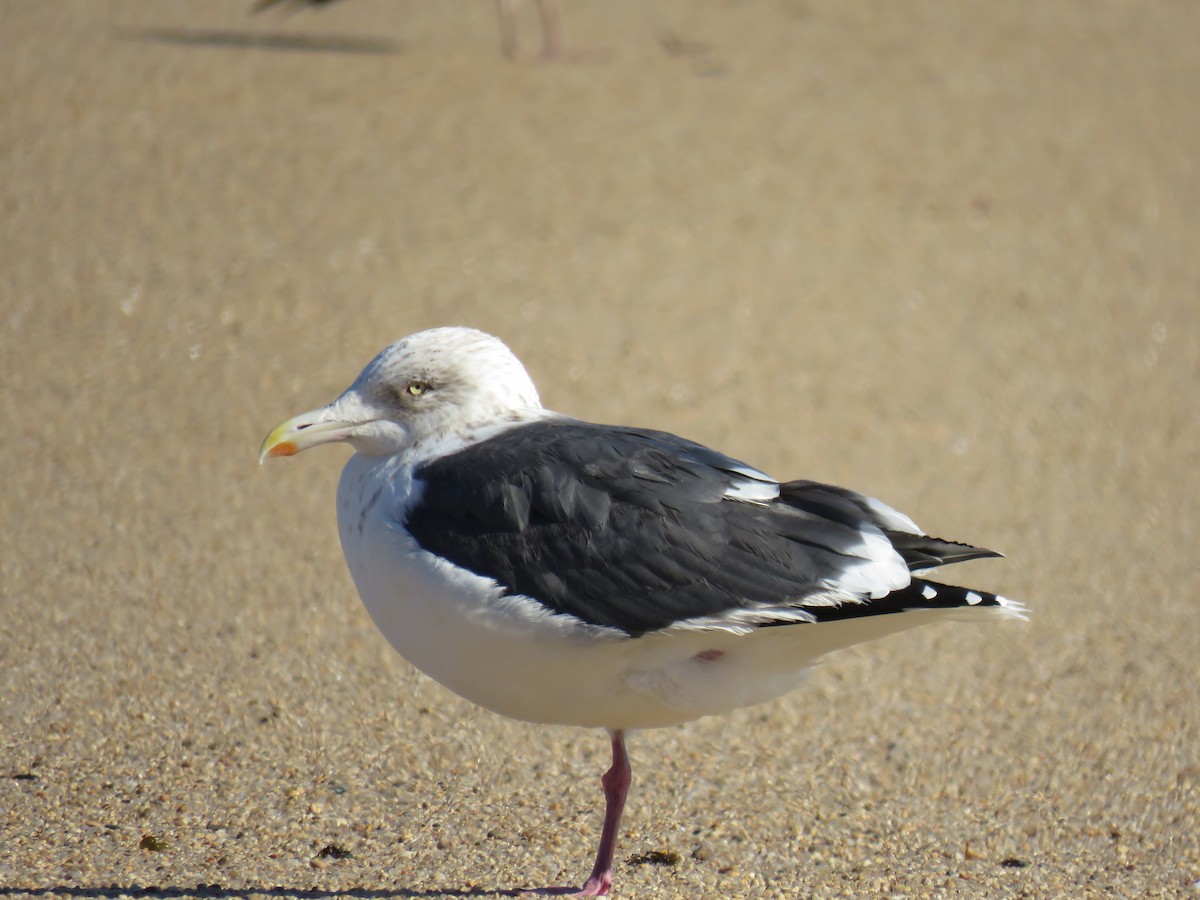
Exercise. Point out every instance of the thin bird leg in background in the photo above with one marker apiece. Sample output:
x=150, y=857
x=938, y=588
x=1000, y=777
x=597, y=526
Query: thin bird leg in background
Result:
x=552, y=46
x=508, y=28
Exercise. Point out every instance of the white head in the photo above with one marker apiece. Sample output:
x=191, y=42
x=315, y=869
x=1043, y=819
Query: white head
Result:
x=430, y=388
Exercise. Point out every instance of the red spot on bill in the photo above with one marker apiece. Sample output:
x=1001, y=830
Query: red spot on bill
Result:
x=287, y=448
x=709, y=656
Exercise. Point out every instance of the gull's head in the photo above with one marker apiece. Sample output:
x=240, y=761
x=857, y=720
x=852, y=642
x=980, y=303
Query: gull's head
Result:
x=445, y=384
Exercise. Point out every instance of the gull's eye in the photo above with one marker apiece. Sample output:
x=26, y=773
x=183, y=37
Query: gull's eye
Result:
x=416, y=388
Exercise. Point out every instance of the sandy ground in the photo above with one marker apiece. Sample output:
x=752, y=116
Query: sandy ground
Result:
x=943, y=252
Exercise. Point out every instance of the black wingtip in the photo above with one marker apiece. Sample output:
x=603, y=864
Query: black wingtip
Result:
x=920, y=551
x=920, y=594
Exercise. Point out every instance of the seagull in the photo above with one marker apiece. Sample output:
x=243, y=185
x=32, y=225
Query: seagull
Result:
x=558, y=571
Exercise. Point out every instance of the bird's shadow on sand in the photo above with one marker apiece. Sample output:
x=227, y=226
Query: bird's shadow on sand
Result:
x=216, y=892
x=229, y=39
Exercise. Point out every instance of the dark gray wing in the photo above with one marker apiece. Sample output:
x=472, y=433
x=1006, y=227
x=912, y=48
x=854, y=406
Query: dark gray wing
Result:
x=639, y=530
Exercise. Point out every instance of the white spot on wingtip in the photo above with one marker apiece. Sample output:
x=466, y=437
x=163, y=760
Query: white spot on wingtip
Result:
x=1001, y=601
x=929, y=592
x=973, y=598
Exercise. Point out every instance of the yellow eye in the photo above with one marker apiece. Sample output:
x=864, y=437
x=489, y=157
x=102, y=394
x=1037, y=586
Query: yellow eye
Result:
x=416, y=388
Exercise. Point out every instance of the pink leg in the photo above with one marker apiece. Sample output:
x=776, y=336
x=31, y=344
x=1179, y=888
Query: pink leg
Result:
x=616, y=788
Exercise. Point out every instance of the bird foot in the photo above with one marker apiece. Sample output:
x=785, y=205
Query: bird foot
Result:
x=593, y=887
